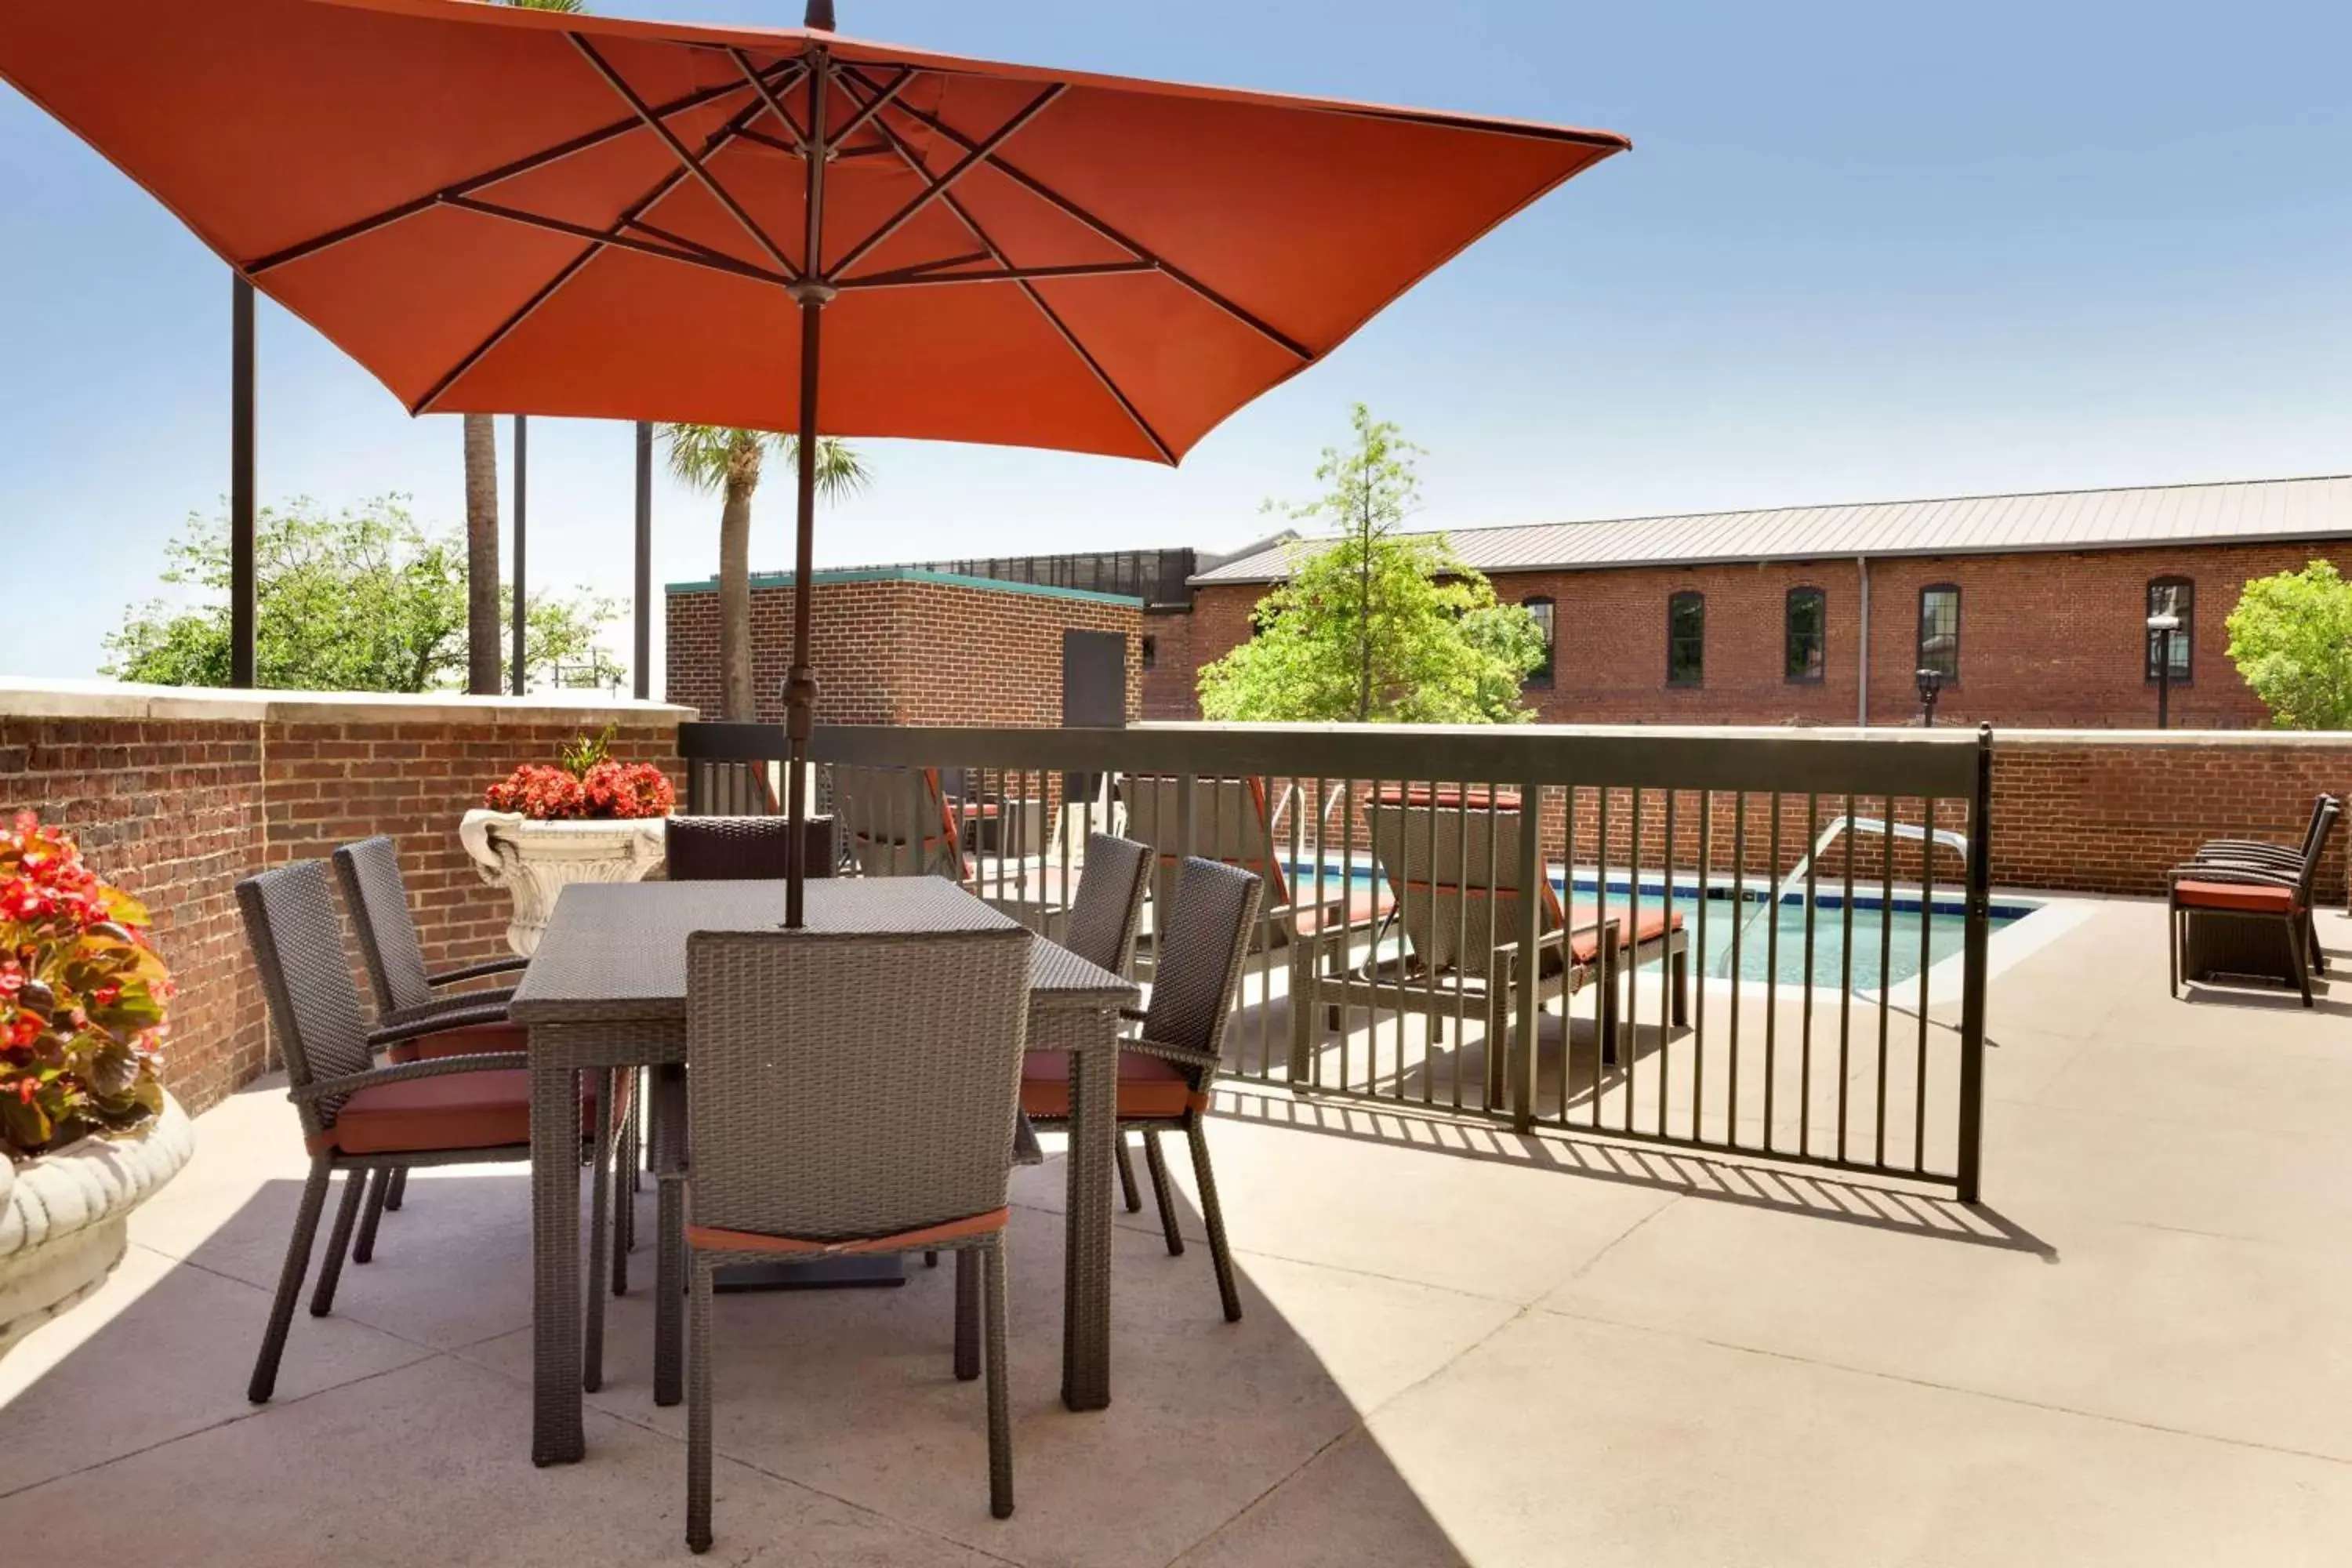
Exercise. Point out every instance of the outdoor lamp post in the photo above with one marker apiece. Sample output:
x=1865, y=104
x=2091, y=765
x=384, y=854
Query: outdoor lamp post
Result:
x=1931, y=682
x=2161, y=625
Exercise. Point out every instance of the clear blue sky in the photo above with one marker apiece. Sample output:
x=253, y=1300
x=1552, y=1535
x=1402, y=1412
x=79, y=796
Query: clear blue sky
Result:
x=1859, y=250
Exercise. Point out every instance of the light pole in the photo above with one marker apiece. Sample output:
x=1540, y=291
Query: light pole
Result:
x=2161, y=625
x=1931, y=682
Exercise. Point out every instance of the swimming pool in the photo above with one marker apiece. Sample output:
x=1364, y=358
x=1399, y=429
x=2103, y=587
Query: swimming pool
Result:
x=1760, y=956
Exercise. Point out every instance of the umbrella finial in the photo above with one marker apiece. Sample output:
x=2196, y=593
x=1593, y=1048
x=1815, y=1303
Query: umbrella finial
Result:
x=820, y=15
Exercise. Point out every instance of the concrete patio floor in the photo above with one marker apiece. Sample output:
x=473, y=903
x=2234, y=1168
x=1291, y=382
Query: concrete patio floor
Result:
x=1461, y=1346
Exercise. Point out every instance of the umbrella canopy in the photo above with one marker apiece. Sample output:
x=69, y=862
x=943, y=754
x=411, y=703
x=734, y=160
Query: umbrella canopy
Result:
x=514, y=210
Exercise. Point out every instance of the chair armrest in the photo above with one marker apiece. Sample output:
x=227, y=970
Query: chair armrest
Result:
x=1182, y=1056
x=476, y=971
x=1548, y=940
x=2246, y=855
x=1026, y=1150
x=429, y=1067
x=421, y=1021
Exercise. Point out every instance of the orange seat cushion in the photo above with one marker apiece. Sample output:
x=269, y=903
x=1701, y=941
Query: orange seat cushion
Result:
x=2245, y=896
x=487, y=1109
x=1361, y=909
x=1149, y=1090
x=1447, y=797
x=1585, y=945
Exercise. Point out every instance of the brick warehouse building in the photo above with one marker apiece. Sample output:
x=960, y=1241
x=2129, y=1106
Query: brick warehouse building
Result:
x=2034, y=606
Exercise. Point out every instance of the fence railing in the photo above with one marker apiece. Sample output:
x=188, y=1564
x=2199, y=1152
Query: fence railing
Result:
x=1613, y=932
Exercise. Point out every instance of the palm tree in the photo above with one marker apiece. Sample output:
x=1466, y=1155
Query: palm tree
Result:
x=710, y=458
x=483, y=633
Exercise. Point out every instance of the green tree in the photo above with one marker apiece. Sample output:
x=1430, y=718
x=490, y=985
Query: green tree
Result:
x=1377, y=624
x=711, y=458
x=2291, y=638
x=486, y=641
x=364, y=600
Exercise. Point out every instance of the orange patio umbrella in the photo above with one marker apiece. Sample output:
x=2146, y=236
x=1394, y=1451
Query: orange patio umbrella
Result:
x=510, y=211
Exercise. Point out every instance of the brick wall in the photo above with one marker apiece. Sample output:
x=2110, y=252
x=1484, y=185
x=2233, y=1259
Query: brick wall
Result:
x=1168, y=685
x=2049, y=640
x=905, y=648
x=176, y=796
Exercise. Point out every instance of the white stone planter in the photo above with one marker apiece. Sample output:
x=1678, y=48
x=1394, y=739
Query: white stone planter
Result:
x=63, y=1216
x=534, y=861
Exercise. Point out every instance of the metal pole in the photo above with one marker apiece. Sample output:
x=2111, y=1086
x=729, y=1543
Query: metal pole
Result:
x=643, y=670
x=242, y=595
x=521, y=596
x=800, y=684
x=1972, y=972
x=2164, y=678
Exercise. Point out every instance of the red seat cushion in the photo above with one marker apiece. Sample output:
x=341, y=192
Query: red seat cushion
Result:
x=1447, y=797
x=2246, y=896
x=1149, y=1089
x=486, y=1110
x=1361, y=909
x=480, y=1039
x=1585, y=945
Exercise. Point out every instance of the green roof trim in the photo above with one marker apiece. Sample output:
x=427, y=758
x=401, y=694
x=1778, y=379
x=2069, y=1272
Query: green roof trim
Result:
x=908, y=575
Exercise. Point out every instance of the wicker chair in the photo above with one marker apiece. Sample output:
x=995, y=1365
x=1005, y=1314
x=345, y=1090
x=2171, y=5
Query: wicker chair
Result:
x=850, y=1093
x=740, y=848
x=1164, y=1073
x=460, y=1102
x=1105, y=916
x=2224, y=897
x=377, y=897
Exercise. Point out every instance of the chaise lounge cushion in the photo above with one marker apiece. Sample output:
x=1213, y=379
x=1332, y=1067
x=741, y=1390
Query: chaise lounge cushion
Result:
x=1585, y=945
x=1149, y=1089
x=2246, y=896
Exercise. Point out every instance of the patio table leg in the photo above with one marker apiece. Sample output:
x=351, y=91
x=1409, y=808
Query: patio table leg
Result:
x=669, y=1225
x=1085, y=1276
x=557, y=1437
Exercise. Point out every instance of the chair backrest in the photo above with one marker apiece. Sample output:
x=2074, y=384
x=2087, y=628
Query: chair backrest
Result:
x=1232, y=823
x=852, y=1084
x=1197, y=958
x=1452, y=861
x=1109, y=908
x=2329, y=810
x=728, y=849
x=298, y=947
x=2315, y=837
x=378, y=899
x=896, y=823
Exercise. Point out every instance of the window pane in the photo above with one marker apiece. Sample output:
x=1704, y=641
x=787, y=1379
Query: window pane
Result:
x=1686, y=640
x=2177, y=597
x=1541, y=609
x=1939, y=631
x=1806, y=619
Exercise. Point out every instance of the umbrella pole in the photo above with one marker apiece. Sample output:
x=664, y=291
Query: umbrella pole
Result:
x=811, y=293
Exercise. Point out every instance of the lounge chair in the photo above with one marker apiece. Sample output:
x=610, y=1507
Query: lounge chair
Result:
x=898, y=822
x=1235, y=824
x=1451, y=860
x=2216, y=909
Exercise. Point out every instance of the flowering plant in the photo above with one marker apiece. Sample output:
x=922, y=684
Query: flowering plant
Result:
x=82, y=997
x=588, y=784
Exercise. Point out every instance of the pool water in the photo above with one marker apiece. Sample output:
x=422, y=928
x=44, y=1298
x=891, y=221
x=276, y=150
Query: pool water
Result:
x=1758, y=958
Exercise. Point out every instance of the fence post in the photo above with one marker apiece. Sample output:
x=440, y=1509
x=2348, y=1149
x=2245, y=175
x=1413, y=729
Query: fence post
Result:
x=1528, y=970
x=1972, y=975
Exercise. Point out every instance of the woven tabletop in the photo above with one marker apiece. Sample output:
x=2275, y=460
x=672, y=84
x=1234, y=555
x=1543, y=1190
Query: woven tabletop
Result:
x=616, y=951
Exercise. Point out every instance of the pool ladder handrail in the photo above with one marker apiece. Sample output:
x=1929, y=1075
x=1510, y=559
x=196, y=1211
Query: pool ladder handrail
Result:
x=1949, y=837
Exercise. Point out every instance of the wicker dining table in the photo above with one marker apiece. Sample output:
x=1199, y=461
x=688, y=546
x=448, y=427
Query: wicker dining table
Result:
x=606, y=991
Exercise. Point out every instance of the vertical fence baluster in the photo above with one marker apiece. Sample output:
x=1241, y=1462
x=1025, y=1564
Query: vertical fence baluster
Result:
x=1431, y=1028
x=1886, y=956
x=1347, y=937
x=1630, y=1026
x=1699, y=964
x=1566, y=965
x=1927, y=922
x=1738, y=935
x=1531, y=923
x=1604, y=938
x=1845, y=986
x=1667, y=969
x=1805, y=1056
x=1460, y=933
x=1773, y=970
x=1493, y=1088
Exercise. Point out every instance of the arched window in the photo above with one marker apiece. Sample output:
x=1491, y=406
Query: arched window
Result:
x=2177, y=597
x=1542, y=609
x=1805, y=621
x=1686, y=639
x=1939, y=630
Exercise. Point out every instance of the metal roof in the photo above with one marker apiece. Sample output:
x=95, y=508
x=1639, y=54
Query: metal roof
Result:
x=2238, y=511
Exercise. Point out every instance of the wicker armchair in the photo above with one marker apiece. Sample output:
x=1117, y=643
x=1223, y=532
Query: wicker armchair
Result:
x=460, y=1102
x=2209, y=901
x=1105, y=916
x=1165, y=1072
x=850, y=1093
x=741, y=849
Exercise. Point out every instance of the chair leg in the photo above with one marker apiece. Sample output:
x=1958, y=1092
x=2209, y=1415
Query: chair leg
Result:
x=1196, y=1130
x=339, y=1242
x=397, y=1191
x=289, y=1281
x=2172, y=949
x=1161, y=1193
x=1126, y=1176
x=967, y=1284
x=931, y=1260
x=633, y=1136
x=363, y=1244
x=1000, y=1415
x=1682, y=988
x=698, y=1408
x=2302, y=960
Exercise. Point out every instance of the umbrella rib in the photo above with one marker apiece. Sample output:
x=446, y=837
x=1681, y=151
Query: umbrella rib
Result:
x=678, y=149
x=634, y=210
x=930, y=273
x=1039, y=188
x=941, y=184
x=523, y=166
x=696, y=257
x=1085, y=356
